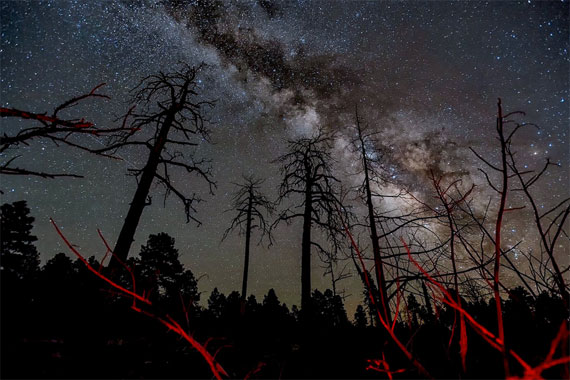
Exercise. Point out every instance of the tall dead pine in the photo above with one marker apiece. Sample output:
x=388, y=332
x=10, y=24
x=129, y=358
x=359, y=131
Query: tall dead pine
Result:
x=170, y=107
x=251, y=207
x=306, y=170
x=366, y=159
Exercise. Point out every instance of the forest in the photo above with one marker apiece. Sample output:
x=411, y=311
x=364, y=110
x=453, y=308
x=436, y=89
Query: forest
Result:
x=442, y=294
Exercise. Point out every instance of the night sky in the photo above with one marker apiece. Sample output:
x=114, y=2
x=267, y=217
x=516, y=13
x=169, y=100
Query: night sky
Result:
x=425, y=74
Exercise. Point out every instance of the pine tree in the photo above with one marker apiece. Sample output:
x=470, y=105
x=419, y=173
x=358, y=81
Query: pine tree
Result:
x=20, y=258
x=360, y=319
x=216, y=303
x=163, y=274
x=167, y=103
x=306, y=170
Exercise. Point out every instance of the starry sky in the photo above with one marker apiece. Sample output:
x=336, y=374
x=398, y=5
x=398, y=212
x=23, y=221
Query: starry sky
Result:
x=425, y=75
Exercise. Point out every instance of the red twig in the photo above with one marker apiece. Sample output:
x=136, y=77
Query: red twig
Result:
x=260, y=365
x=13, y=112
x=215, y=367
x=397, y=304
x=385, y=367
x=497, y=343
x=384, y=323
x=95, y=271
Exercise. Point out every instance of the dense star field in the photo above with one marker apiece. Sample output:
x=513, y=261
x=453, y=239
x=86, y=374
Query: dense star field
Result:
x=424, y=75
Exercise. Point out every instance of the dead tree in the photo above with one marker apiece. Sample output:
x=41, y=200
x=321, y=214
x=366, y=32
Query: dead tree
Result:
x=330, y=261
x=476, y=250
x=370, y=161
x=507, y=170
x=171, y=109
x=550, y=224
x=549, y=232
x=57, y=129
x=502, y=190
x=449, y=203
x=251, y=205
x=307, y=174
x=384, y=225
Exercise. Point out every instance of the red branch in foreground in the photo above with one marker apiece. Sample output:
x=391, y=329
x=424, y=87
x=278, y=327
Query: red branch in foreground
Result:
x=382, y=366
x=168, y=321
x=530, y=373
x=13, y=112
x=384, y=323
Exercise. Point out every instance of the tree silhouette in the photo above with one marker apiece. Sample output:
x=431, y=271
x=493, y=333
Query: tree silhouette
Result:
x=414, y=310
x=306, y=172
x=450, y=197
x=329, y=309
x=144, y=306
x=360, y=319
x=370, y=161
x=251, y=205
x=271, y=303
x=58, y=267
x=273, y=310
x=506, y=128
x=58, y=130
x=550, y=224
x=20, y=259
x=371, y=292
x=216, y=303
x=163, y=275
x=171, y=108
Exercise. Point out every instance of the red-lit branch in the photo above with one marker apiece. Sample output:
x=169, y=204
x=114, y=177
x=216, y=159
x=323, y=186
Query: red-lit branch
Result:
x=382, y=366
x=384, y=323
x=217, y=370
x=96, y=272
x=497, y=343
x=58, y=130
x=215, y=367
x=13, y=112
x=503, y=193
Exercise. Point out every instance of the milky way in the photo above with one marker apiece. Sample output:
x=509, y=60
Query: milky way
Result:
x=426, y=75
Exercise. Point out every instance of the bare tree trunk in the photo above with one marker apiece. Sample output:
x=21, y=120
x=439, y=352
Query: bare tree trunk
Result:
x=247, y=240
x=378, y=266
x=427, y=300
x=163, y=111
x=306, y=253
x=500, y=213
x=333, y=280
x=307, y=172
x=249, y=203
x=462, y=331
x=127, y=234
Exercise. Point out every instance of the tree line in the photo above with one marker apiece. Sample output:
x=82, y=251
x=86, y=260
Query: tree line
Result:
x=64, y=319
